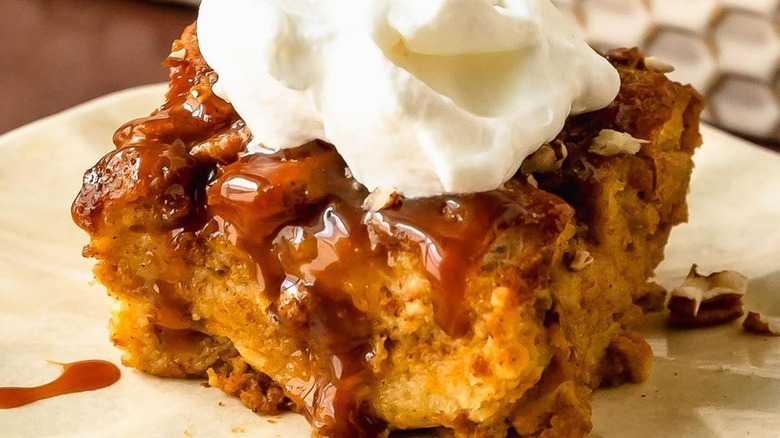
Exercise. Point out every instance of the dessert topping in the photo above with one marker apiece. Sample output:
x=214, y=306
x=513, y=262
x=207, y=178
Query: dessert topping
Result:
x=548, y=158
x=178, y=54
x=425, y=97
x=380, y=199
x=610, y=143
x=658, y=65
x=580, y=260
x=532, y=181
x=707, y=300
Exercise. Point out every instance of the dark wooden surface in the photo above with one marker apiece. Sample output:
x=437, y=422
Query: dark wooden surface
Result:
x=58, y=53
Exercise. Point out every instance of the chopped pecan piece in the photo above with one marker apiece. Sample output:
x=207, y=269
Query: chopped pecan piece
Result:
x=380, y=199
x=547, y=158
x=703, y=301
x=763, y=325
x=224, y=147
x=579, y=261
x=610, y=143
x=658, y=65
x=178, y=54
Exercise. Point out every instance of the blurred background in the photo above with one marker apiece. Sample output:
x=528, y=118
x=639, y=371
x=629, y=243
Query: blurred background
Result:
x=57, y=53
x=728, y=49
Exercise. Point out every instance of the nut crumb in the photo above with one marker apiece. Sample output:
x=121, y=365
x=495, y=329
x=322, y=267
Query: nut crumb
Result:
x=178, y=54
x=548, y=158
x=380, y=199
x=658, y=65
x=703, y=301
x=580, y=260
x=763, y=325
x=610, y=143
x=414, y=308
x=532, y=181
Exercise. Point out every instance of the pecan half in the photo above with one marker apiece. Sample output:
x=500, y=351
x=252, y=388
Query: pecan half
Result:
x=610, y=143
x=703, y=301
x=381, y=198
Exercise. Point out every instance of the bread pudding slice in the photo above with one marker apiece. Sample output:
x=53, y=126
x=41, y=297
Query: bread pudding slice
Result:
x=473, y=315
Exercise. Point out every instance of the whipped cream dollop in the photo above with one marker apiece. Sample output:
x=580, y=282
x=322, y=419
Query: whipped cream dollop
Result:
x=422, y=96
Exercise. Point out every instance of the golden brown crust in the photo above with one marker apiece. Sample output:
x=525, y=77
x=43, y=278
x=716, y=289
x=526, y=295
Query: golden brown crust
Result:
x=538, y=335
x=255, y=390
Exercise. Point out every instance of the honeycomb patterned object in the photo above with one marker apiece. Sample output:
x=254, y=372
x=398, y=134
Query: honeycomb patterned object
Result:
x=728, y=49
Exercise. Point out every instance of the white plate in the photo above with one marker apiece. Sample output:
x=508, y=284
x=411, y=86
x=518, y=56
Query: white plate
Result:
x=715, y=382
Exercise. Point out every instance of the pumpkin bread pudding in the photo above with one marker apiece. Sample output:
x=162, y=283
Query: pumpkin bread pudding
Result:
x=285, y=282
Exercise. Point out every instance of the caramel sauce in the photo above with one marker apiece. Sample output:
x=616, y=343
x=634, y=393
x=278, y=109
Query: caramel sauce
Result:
x=322, y=258
x=317, y=255
x=82, y=376
x=453, y=233
x=191, y=113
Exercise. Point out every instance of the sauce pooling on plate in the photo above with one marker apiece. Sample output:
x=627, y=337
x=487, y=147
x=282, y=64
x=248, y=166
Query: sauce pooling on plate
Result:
x=87, y=375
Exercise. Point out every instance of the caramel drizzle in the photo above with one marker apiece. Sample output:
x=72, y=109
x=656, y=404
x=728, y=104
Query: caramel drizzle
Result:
x=299, y=218
x=87, y=375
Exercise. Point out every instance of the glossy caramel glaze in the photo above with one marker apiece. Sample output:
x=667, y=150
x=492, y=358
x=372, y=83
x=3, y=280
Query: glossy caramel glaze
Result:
x=87, y=375
x=299, y=217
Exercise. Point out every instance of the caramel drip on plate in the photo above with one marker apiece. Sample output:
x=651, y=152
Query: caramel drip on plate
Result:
x=87, y=375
